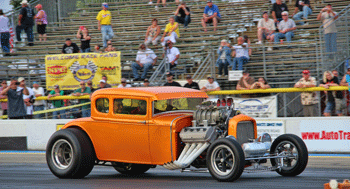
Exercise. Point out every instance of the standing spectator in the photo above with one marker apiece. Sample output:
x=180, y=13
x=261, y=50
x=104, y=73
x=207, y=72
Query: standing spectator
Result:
x=152, y=33
x=89, y=84
x=335, y=73
x=28, y=99
x=266, y=28
x=308, y=99
x=190, y=83
x=172, y=54
x=57, y=103
x=185, y=15
x=110, y=47
x=4, y=33
x=146, y=83
x=327, y=15
x=277, y=9
x=16, y=109
x=224, y=57
x=124, y=84
x=334, y=98
x=304, y=8
x=170, y=81
x=41, y=22
x=104, y=77
x=38, y=104
x=163, y=2
x=104, y=18
x=26, y=23
x=245, y=83
x=145, y=59
x=285, y=28
x=85, y=39
x=171, y=32
x=211, y=86
x=83, y=90
x=241, y=52
x=3, y=104
x=211, y=15
x=69, y=47
x=346, y=81
x=261, y=84
x=102, y=84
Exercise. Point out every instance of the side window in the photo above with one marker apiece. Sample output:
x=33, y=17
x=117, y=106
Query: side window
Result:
x=102, y=105
x=129, y=106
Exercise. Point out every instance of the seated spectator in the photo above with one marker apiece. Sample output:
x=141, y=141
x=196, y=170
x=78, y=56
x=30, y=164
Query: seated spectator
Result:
x=308, y=99
x=266, y=28
x=98, y=49
x=3, y=104
x=152, y=34
x=145, y=60
x=245, y=83
x=190, y=83
x=328, y=16
x=124, y=84
x=335, y=99
x=211, y=86
x=38, y=104
x=304, y=8
x=145, y=83
x=211, y=15
x=85, y=38
x=57, y=103
x=261, y=84
x=224, y=58
x=83, y=90
x=277, y=9
x=241, y=52
x=104, y=77
x=285, y=28
x=170, y=81
x=171, y=32
x=109, y=47
x=185, y=15
x=41, y=22
x=69, y=47
x=172, y=53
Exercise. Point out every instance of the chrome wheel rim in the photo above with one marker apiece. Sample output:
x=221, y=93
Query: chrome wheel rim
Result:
x=286, y=148
x=62, y=154
x=222, y=160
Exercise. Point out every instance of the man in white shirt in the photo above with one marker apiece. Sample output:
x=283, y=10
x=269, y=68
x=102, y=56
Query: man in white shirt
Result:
x=38, y=104
x=4, y=33
x=124, y=84
x=285, y=28
x=266, y=27
x=172, y=54
x=211, y=86
x=145, y=59
x=241, y=52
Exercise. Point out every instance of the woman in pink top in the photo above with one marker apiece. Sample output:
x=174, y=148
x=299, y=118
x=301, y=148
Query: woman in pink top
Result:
x=41, y=22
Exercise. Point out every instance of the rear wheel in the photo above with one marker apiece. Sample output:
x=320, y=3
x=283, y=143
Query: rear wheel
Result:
x=131, y=168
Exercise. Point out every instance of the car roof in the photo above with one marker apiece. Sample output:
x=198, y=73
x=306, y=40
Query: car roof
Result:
x=156, y=93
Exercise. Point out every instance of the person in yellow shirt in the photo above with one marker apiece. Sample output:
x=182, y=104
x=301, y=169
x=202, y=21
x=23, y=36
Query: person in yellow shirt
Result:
x=104, y=24
x=171, y=32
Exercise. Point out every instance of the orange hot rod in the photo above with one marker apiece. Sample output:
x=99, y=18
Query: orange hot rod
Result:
x=135, y=129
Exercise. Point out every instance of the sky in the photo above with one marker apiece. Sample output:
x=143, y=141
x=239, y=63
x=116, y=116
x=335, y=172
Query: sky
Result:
x=5, y=5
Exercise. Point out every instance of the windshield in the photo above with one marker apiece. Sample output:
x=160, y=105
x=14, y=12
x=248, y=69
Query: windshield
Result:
x=161, y=106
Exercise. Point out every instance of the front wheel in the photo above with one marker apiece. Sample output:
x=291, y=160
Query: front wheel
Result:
x=225, y=160
x=295, y=149
x=131, y=168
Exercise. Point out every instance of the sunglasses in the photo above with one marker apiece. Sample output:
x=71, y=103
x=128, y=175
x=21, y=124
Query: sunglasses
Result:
x=89, y=83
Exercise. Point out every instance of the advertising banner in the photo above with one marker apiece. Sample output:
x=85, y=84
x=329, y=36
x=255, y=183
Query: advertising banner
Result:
x=274, y=128
x=67, y=70
x=257, y=107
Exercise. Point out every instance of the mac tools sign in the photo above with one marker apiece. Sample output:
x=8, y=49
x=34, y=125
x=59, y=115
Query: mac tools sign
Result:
x=257, y=107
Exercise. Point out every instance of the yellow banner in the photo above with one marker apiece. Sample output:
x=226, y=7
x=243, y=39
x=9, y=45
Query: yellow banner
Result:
x=67, y=70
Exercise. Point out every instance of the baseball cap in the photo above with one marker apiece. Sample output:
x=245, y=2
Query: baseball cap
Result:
x=103, y=81
x=123, y=80
x=20, y=79
x=265, y=12
x=348, y=67
x=209, y=1
x=39, y=6
x=306, y=72
x=188, y=77
x=82, y=27
x=210, y=77
x=56, y=86
x=35, y=82
x=67, y=39
x=24, y=2
x=169, y=74
x=224, y=41
x=285, y=12
x=105, y=5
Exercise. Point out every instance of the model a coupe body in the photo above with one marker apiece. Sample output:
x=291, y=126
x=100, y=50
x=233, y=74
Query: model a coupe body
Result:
x=135, y=129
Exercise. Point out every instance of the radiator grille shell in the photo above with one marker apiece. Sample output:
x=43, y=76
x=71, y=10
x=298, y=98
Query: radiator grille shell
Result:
x=245, y=131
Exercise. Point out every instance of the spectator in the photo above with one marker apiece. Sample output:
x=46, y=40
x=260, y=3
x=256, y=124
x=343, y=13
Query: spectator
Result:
x=277, y=9
x=346, y=81
x=170, y=81
x=285, y=28
x=15, y=103
x=152, y=33
x=41, y=22
x=26, y=23
x=57, y=103
x=124, y=84
x=171, y=32
x=145, y=59
x=246, y=39
x=241, y=52
x=304, y=10
x=104, y=77
x=245, y=83
x=102, y=84
x=97, y=49
x=38, y=104
x=109, y=47
x=163, y=2
x=3, y=104
x=266, y=28
x=85, y=39
x=190, y=83
x=28, y=99
x=104, y=18
x=4, y=33
x=334, y=98
x=335, y=73
x=224, y=58
x=308, y=99
x=146, y=83
x=211, y=15
x=172, y=54
x=69, y=47
x=327, y=15
x=211, y=86
x=261, y=84
x=89, y=84
x=83, y=90
x=185, y=15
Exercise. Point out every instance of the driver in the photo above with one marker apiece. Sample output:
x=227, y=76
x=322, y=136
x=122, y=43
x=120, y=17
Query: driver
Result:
x=118, y=107
x=141, y=109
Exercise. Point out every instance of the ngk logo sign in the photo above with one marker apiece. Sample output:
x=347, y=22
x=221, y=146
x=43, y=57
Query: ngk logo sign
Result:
x=324, y=135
